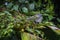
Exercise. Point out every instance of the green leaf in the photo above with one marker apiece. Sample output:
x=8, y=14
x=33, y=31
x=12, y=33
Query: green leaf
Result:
x=24, y=10
x=58, y=19
x=31, y=6
x=15, y=7
x=2, y=14
x=10, y=5
x=22, y=1
x=24, y=36
x=7, y=12
x=50, y=17
x=10, y=25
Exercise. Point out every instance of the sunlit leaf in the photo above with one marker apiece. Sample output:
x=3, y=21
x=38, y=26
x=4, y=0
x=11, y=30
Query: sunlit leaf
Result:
x=24, y=10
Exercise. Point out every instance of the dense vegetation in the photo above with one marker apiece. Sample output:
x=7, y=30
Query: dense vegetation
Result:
x=28, y=20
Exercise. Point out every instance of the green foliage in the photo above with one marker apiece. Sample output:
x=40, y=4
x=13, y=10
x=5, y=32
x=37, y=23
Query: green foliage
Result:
x=25, y=10
x=13, y=19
